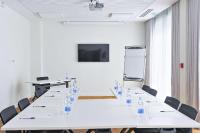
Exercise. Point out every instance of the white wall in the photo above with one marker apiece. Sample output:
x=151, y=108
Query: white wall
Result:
x=14, y=57
x=36, y=51
x=60, y=52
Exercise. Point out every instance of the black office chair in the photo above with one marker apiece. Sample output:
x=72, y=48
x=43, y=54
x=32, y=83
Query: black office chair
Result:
x=145, y=87
x=47, y=86
x=145, y=130
x=39, y=91
x=149, y=90
x=42, y=78
x=50, y=131
x=188, y=111
x=7, y=114
x=191, y=113
x=58, y=131
x=173, y=102
x=23, y=103
x=153, y=92
x=108, y=130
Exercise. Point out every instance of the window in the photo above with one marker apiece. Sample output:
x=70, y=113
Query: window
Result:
x=160, y=54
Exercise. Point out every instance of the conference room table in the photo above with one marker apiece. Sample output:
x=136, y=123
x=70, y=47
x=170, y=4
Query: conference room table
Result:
x=51, y=82
x=48, y=111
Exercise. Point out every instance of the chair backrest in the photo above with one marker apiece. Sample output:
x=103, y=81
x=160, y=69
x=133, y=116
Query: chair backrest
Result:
x=23, y=103
x=173, y=102
x=39, y=91
x=42, y=78
x=152, y=92
x=47, y=86
x=145, y=87
x=191, y=113
x=188, y=111
x=149, y=90
x=8, y=113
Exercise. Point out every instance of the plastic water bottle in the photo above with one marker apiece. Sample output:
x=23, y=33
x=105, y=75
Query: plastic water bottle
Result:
x=74, y=89
x=119, y=92
x=71, y=95
x=140, y=110
x=128, y=97
x=74, y=86
x=72, y=99
x=67, y=107
x=116, y=86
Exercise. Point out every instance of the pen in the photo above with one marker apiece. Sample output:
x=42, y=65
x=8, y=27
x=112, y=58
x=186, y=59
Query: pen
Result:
x=55, y=91
x=50, y=96
x=40, y=106
x=138, y=93
x=166, y=111
x=27, y=118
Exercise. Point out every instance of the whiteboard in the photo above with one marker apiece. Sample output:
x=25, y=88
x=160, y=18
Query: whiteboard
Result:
x=134, y=65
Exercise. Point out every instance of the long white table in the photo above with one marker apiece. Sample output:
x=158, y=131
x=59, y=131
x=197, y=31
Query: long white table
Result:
x=51, y=82
x=90, y=114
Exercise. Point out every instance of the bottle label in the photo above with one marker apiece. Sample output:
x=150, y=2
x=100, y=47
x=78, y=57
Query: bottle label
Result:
x=140, y=111
x=128, y=101
x=67, y=109
x=74, y=90
x=71, y=99
x=119, y=92
x=115, y=87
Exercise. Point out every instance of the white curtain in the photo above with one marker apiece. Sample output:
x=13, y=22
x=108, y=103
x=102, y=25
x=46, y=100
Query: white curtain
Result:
x=148, y=40
x=193, y=25
x=160, y=54
x=175, y=78
x=198, y=90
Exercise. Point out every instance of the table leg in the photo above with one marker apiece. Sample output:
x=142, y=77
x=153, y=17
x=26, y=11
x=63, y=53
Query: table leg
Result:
x=67, y=84
x=123, y=130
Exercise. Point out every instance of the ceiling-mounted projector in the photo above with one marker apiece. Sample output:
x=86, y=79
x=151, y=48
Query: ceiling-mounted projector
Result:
x=95, y=5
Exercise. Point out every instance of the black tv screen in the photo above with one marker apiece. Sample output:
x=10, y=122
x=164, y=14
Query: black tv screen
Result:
x=93, y=52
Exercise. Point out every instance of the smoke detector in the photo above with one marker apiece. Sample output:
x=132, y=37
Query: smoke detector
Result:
x=95, y=5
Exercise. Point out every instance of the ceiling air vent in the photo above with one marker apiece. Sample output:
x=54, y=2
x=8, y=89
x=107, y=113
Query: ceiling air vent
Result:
x=146, y=12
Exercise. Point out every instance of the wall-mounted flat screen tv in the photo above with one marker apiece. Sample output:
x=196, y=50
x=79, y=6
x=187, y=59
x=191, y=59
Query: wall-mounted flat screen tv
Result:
x=93, y=52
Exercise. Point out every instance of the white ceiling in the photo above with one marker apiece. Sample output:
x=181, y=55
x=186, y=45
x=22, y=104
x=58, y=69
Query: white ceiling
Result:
x=78, y=10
